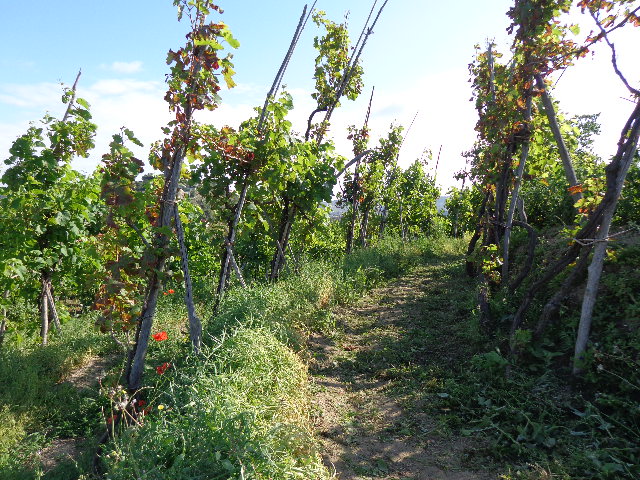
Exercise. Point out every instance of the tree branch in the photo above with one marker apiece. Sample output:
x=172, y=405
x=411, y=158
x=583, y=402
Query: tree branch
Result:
x=614, y=60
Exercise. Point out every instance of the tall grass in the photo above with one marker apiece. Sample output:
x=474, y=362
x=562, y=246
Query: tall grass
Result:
x=34, y=405
x=240, y=409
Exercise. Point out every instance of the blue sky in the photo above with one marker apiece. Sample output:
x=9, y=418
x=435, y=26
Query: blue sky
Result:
x=417, y=59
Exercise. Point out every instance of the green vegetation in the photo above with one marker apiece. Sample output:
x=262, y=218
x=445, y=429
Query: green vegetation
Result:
x=242, y=405
x=534, y=411
x=207, y=277
x=37, y=404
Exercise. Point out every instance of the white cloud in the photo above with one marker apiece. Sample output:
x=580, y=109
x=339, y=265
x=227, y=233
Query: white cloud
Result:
x=125, y=68
x=445, y=117
x=140, y=106
x=42, y=96
x=591, y=86
x=123, y=87
x=26, y=103
x=8, y=134
x=135, y=104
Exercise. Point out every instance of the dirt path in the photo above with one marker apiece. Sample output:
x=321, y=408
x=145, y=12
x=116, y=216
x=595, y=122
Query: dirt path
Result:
x=84, y=377
x=367, y=426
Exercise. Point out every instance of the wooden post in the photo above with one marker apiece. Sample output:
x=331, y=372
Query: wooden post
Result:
x=44, y=313
x=618, y=169
x=195, y=325
x=524, y=153
x=555, y=129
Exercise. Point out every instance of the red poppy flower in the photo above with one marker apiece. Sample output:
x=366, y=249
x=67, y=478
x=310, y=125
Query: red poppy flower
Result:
x=162, y=368
x=171, y=290
x=160, y=336
x=141, y=403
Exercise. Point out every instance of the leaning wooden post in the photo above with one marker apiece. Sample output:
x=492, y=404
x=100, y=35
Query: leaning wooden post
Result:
x=52, y=306
x=524, y=153
x=161, y=241
x=236, y=268
x=228, y=251
x=46, y=299
x=616, y=174
x=224, y=272
x=195, y=325
x=555, y=129
x=352, y=65
x=192, y=86
x=3, y=323
x=619, y=167
x=44, y=313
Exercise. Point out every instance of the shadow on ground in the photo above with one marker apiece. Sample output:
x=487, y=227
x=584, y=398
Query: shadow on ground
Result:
x=376, y=379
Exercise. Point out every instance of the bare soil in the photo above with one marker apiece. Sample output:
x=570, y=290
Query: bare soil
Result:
x=367, y=430
x=58, y=451
x=88, y=375
x=85, y=377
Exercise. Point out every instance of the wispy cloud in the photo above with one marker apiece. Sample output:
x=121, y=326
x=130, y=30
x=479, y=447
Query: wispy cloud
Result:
x=117, y=87
x=445, y=117
x=125, y=68
x=41, y=95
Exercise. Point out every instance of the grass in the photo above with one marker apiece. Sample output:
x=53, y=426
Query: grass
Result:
x=537, y=422
x=34, y=406
x=243, y=411
x=240, y=410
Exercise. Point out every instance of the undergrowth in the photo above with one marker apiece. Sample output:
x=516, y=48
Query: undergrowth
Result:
x=532, y=414
x=238, y=410
x=241, y=410
x=36, y=405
